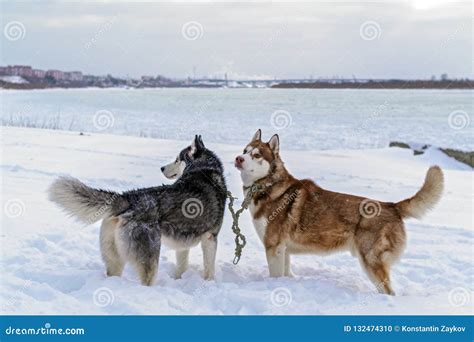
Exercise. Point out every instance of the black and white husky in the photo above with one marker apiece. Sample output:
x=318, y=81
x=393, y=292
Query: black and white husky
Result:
x=136, y=222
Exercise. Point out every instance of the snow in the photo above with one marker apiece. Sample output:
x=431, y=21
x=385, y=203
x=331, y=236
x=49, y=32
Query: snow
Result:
x=51, y=264
x=13, y=79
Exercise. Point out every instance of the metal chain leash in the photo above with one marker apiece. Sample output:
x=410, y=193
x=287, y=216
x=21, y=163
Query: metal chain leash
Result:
x=240, y=240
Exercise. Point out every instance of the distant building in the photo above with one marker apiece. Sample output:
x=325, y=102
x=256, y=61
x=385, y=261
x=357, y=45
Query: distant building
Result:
x=39, y=73
x=3, y=70
x=74, y=76
x=55, y=74
x=89, y=78
x=20, y=70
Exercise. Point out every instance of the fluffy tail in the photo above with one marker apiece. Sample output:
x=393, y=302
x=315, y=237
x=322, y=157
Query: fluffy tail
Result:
x=85, y=203
x=426, y=198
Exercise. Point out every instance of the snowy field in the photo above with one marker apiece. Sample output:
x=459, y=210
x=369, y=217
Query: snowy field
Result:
x=52, y=265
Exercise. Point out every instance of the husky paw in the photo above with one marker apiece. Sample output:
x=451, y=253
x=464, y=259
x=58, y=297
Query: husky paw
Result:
x=208, y=276
x=178, y=274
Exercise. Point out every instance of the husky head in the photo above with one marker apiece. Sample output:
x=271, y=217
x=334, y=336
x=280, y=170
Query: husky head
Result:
x=193, y=155
x=258, y=158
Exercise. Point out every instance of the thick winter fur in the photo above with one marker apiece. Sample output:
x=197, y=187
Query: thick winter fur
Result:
x=298, y=216
x=136, y=222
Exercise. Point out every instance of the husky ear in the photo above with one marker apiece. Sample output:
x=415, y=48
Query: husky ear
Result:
x=200, y=144
x=193, y=148
x=258, y=135
x=274, y=143
x=197, y=144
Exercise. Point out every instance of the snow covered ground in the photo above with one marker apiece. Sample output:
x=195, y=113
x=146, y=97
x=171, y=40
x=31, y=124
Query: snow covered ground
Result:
x=50, y=264
x=13, y=79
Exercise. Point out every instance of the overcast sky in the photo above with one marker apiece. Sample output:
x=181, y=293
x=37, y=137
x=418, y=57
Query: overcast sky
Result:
x=410, y=39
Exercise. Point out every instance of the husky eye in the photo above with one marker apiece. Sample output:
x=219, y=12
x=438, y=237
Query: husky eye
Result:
x=257, y=155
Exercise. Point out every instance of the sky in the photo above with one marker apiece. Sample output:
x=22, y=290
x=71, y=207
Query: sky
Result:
x=403, y=39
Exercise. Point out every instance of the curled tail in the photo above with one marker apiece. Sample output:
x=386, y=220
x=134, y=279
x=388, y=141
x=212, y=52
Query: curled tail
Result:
x=426, y=198
x=85, y=203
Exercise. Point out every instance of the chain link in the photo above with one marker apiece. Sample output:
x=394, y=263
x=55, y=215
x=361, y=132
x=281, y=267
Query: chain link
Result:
x=240, y=240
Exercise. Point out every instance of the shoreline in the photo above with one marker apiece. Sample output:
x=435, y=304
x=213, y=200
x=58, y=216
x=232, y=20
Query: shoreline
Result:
x=371, y=84
x=227, y=88
x=388, y=85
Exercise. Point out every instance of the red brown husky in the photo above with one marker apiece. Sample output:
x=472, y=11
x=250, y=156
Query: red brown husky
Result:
x=297, y=216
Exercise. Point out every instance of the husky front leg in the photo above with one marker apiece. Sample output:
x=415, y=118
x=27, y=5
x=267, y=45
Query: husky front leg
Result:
x=288, y=272
x=182, y=257
x=209, y=249
x=276, y=260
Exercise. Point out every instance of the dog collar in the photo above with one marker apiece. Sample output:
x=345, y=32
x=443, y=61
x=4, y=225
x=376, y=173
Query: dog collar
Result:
x=257, y=187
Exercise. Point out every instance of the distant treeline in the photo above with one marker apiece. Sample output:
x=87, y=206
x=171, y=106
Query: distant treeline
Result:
x=370, y=84
x=386, y=84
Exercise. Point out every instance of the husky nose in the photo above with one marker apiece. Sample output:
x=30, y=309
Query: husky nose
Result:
x=162, y=169
x=239, y=160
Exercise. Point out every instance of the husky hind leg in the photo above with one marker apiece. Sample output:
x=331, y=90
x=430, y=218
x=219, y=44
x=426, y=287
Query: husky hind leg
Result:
x=114, y=262
x=147, y=271
x=143, y=241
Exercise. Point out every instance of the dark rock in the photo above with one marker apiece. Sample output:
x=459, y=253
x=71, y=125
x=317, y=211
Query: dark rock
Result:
x=417, y=152
x=398, y=144
x=461, y=156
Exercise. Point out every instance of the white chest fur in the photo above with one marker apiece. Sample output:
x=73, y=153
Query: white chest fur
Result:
x=261, y=227
x=260, y=224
